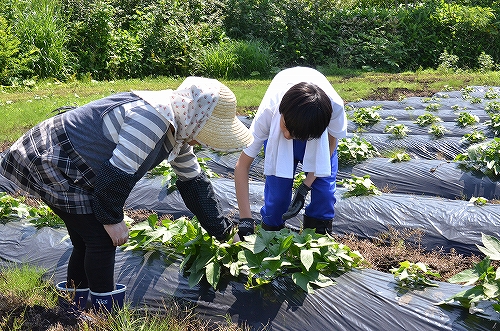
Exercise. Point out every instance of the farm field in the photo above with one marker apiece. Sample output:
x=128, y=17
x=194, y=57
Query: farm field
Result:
x=390, y=233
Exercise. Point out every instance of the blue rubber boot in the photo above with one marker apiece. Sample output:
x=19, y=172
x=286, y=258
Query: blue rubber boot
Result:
x=108, y=301
x=71, y=299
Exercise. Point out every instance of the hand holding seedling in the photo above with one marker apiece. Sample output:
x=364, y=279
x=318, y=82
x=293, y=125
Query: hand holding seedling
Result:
x=298, y=201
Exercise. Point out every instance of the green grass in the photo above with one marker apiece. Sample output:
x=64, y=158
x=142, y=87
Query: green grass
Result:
x=23, y=286
x=25, y=283
x=24, y=106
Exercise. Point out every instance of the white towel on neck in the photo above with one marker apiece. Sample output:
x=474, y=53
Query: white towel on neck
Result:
x=279, y=154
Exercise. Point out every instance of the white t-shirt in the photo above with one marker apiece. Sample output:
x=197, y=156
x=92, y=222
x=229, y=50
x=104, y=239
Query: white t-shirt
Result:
x=269, y=106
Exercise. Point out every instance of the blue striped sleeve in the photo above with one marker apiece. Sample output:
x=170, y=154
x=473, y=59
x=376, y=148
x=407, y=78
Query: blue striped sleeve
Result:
x=136, y=128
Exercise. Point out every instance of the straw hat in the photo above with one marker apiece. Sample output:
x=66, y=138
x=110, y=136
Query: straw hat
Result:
x=223, y=131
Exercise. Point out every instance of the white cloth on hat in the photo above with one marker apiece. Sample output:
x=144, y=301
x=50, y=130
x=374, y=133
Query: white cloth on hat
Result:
x=187, y=108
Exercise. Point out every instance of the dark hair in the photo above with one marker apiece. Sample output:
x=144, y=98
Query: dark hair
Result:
x=306, y=110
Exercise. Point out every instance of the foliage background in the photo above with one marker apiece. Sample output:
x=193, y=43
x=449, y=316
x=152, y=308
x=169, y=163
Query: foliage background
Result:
x=112, y=39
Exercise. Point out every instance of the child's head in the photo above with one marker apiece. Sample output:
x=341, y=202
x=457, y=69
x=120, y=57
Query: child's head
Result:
x=306, y=110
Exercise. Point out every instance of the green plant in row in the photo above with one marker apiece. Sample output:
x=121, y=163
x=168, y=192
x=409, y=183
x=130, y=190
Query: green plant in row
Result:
x=485, y=277
x=15, y=209
x=397, y=131
x=11, y=208
x=492, y=107
x=427, y=119
x=494, y=124
x=482, y=158
x=433, y=107
x=358, y=186
x=169, y=177
x=366, y=116
x=414, y=275
x=465, y=119
x=352, y=150
x=400, y=157
x=491, y=94
x=438, y=130
x=478, y=201
x=458, y=108
x=308, y=258
x=473, y=137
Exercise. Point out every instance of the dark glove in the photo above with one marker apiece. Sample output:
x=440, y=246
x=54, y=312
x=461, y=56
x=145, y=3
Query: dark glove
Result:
x=246, y=227
x=199, y=196
x=297, y=202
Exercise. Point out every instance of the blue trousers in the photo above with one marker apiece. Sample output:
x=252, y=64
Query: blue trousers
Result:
x=278, y=192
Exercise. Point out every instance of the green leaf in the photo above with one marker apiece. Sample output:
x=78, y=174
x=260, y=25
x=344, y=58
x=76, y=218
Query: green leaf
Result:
x=204, y=258
x=491, y=247
x=195, y=277
x=421, y=266
x=322, y=281
x=491, y=289
x=468, y=276
x=303, y=281
x=152, y=220
x=213, y=273
x=307, y=258
x=253, y=259
x=465, y=297
x=262, y=241
x=285, y=244
x=234, y=269
x=271, y=263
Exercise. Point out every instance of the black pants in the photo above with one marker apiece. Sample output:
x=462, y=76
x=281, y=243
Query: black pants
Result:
x=92, y=261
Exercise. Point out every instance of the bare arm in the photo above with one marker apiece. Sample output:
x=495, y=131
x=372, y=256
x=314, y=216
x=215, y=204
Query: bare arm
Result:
x=241, y=177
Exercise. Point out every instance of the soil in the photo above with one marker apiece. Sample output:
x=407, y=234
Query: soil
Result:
x=384, y=93
x=383, y=253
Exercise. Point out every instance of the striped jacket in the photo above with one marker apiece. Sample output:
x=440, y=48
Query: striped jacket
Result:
x=59, y=159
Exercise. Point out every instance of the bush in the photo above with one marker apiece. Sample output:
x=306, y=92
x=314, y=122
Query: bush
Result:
x=91, y=31
x=107, y=39
x=125, y=55
x=235, y=59
x=42, y=31
x=369, y=39
x=173, y=36
x=12, y=64
x=468, y=31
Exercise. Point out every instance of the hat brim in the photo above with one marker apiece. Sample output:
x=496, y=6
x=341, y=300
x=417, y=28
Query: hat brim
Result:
x=224, y=135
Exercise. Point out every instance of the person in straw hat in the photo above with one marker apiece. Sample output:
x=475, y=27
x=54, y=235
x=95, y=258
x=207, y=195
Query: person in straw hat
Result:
x=83, y=163
x=300, y=119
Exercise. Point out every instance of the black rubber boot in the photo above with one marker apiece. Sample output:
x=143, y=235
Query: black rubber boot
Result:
x=321, y=226
x=272, y=228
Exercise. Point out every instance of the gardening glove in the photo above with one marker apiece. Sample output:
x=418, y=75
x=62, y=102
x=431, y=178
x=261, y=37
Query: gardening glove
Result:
x=298, y=201
x=199, y=196
x=246, y=227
